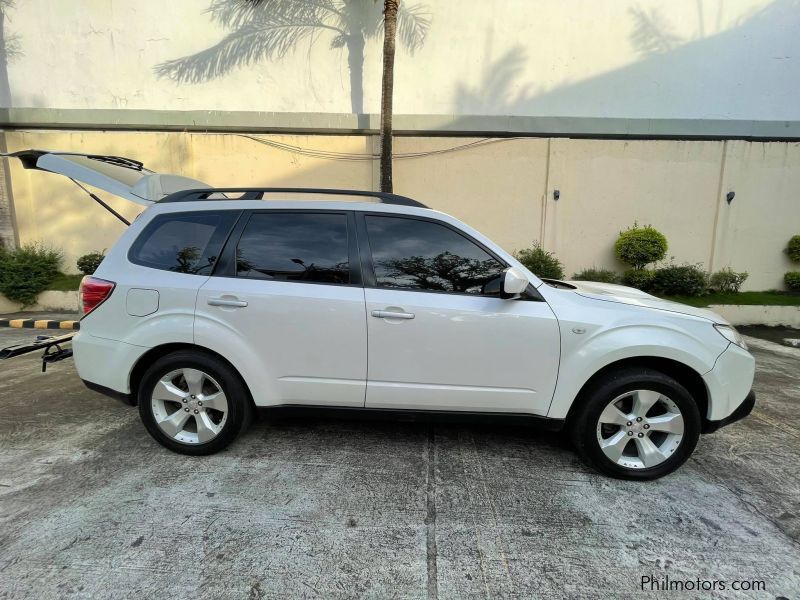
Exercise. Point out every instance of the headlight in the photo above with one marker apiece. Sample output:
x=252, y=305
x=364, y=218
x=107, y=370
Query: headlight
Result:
x=730, y=334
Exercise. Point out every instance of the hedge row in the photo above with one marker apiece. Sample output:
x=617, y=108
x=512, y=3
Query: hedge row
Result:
x=639, y=246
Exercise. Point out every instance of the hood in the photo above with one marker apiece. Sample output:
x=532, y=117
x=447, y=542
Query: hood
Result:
x=627, y=295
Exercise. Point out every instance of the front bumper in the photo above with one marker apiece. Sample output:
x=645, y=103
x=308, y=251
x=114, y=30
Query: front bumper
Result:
x=744, y=409
x=729, y=382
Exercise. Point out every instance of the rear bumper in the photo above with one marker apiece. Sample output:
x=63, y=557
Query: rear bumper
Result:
x=106, y=391
x=106, y=364
x=744, y=409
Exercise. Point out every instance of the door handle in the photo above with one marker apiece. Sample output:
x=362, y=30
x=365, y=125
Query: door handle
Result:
x=226, y=302
x=388, y=314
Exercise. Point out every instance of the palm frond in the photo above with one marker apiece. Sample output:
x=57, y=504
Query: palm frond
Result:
x=413, y=23
x=652, y=33
x=233, y=14
x=361, y=17
x=496, y=85
x=245, y=46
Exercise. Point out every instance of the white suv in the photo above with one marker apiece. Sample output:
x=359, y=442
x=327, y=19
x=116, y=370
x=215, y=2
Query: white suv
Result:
x=210, y=306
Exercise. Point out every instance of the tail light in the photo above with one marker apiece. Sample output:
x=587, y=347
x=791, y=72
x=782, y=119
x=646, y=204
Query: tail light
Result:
x=94, y=292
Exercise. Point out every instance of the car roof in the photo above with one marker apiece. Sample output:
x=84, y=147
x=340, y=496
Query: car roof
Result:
x=289, y=204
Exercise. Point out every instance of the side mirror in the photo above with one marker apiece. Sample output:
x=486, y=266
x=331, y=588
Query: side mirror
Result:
x=514, y=282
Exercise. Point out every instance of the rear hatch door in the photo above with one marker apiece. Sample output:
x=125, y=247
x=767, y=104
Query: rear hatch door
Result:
x=123, y=177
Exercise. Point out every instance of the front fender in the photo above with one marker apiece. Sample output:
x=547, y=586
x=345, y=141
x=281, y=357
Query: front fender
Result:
x=581, y=359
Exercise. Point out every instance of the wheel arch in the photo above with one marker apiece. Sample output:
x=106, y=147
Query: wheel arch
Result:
x=153, y=354
x=681, y=372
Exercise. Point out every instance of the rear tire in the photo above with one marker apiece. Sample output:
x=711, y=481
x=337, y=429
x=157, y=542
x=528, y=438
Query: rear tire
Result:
x=635, y=423
x=193, y=403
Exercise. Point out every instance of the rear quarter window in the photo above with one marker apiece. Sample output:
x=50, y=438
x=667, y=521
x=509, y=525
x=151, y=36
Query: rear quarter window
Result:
x=183, y=242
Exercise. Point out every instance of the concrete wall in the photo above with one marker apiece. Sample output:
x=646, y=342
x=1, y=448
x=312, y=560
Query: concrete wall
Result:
x=771, y=316
x=51, y=209
x=682, y=59
x=47, y=301
x=765, y=212
x=503, y=187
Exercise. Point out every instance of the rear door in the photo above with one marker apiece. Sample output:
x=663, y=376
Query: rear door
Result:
x=157, y=278
x=286, y=304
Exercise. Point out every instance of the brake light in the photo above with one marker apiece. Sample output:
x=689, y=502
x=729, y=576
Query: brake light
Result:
x=94, y=291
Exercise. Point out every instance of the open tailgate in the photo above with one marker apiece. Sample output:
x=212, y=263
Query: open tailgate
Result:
x=123, y=177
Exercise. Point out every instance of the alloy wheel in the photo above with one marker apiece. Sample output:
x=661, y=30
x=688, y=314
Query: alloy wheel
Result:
x=189, y=406
x=640, y=429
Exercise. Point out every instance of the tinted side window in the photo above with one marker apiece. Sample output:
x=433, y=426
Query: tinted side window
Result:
x=414, y=254
x=183, y=242
x=309, y=247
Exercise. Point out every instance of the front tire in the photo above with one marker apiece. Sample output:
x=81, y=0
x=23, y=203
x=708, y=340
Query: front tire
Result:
x=193, y=403
x=636, y=423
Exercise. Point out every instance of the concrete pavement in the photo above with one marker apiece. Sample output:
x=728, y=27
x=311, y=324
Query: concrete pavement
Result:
x=90, y=506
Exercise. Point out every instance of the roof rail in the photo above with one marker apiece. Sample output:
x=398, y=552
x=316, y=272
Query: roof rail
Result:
x=258, y=194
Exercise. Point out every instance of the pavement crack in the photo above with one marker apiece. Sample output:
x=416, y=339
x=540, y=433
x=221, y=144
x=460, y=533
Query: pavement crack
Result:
x=430, y=514
x=71, y=544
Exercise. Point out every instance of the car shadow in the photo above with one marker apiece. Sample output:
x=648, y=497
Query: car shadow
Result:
x=391, y=424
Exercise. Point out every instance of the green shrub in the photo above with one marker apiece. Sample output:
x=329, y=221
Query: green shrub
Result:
x=540, y=262
x=727, y=281
x=600, y=275
x=679, y=280
x=792, y=280
x=640, y=246
x=793, y=249
x=88, y=263
x=27, y=271
x=641, y=279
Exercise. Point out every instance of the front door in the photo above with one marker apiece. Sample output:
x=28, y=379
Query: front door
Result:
x=289, y=298
x=439, y=337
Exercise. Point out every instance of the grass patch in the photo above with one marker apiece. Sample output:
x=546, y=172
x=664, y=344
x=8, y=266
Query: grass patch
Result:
x=66, y=283
x=770, y=298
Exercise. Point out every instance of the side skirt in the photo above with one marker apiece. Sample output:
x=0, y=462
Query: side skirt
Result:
x=424, y=416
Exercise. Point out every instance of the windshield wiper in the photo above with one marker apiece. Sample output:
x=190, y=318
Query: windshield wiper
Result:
x=119, y=161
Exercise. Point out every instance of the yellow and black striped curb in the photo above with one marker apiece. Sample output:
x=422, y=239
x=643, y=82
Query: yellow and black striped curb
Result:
x=39, y=324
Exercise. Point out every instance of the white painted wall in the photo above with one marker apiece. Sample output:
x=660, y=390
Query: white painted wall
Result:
x=692, y=59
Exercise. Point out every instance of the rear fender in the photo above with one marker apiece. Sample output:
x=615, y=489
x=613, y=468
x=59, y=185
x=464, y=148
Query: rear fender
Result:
x=218, y=336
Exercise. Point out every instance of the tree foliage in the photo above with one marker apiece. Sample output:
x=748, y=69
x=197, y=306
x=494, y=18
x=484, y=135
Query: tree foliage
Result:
x=444, y=272
x=540, y=262
x=25, y=272
x=792, y=280
x=88, y=263
x=793, y=249
x=679, y=280
x=640, y=246
x=727, y=281
x=599, y=275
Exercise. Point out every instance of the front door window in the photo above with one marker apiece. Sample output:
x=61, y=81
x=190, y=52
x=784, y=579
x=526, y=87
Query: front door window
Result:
x=420, y=255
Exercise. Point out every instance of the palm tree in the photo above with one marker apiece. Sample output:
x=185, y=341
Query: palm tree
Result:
x=271, y=29
x=390, y=8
